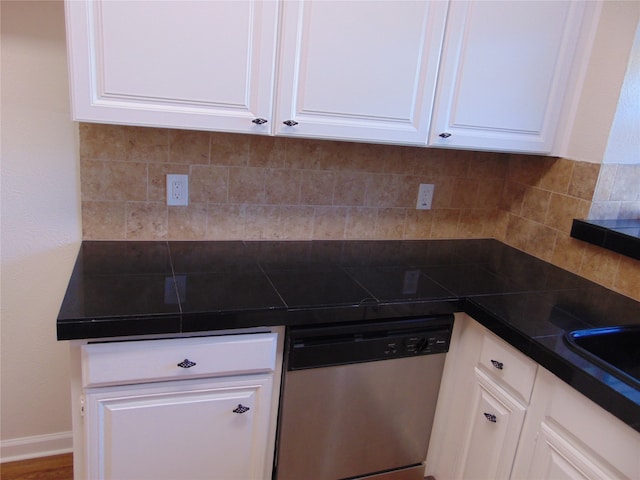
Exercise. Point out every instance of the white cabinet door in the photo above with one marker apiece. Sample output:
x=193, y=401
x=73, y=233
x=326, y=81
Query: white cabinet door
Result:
x=567, y=436
x=182, y=64
x=492, y=432
x=557, y=457
x=190, y=429
x=558, y=434
x=362, y=71
x=504, y=73
x=481, y=410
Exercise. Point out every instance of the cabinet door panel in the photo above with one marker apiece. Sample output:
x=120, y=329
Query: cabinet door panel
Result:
x=557, y=457
x=503, y=74
x=567, y=436
x=159, y=65
x=182, y=429
x=183, y=64
x=493, y=430
x=359, y=70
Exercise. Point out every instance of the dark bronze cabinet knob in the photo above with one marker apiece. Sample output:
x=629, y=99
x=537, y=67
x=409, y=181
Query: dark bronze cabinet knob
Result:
x=497, y=364
x=186, y=363
x=241, y=409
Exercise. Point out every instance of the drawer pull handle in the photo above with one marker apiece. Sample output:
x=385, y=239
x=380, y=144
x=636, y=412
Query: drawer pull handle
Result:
x=186, y=363
x=241, y=409
x=259, y=121
x=497, y=364
x=290, y=123
x=445, y=135
x=491, y=417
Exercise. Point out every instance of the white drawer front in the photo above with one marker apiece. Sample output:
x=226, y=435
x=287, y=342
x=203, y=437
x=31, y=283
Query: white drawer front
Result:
x=120, y=363
x=508, y=366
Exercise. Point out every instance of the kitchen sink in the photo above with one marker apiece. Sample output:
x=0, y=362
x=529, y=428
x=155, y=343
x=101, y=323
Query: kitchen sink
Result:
x=614, y=349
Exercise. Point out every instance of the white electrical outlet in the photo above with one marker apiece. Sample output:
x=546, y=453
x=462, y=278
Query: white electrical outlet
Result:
x=177, y=190
x=425, y=196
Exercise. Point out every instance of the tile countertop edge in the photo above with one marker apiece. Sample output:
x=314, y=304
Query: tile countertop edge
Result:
x=152, y=317
x=599, y=392
x=599, y=234
x=83, y=329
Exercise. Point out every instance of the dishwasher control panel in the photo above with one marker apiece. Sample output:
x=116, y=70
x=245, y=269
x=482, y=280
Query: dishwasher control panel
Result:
x=344, y=344
x=425, y=343
x=432, y=342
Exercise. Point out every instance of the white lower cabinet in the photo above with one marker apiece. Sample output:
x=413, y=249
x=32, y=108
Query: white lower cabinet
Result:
x=482, y=406
x=216, y=420
x=567, y=436
x=501, y=416
x=556, y=457
x=492, y=432
x=187, y=429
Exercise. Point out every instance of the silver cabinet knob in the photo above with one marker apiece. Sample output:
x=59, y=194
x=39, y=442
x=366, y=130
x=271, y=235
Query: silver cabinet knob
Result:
x=259, y=121
x=445, y=135
x=290, y=123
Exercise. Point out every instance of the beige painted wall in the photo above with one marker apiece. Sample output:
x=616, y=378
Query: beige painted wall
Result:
x=623, y=145
x=40, y=227
x=603, y=80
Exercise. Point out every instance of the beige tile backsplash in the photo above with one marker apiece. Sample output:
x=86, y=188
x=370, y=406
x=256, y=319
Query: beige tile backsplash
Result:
x=265, y=188
x=617, y=192
x=253, y=187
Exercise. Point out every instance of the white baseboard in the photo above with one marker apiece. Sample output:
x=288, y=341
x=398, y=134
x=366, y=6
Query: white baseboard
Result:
x=36, y=446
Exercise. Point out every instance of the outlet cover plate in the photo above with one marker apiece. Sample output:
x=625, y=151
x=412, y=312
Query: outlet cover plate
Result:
x=425, y=196
x=177, y=190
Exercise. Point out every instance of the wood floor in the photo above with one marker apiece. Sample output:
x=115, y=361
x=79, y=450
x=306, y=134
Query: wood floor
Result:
x=58, y=467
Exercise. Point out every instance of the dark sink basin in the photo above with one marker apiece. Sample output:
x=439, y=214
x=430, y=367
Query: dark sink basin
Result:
x=614, y=349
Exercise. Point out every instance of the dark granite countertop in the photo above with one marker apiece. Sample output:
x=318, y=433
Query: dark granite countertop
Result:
x=138, y=288
x=621, y=236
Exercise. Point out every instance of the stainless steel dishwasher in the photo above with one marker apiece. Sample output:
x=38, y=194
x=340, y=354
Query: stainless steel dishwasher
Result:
x=358, y=400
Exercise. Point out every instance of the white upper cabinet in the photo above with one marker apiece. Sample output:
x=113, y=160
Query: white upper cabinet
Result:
x=361, y=71
x=504, y=73
x=181, y=64
x=482, y=75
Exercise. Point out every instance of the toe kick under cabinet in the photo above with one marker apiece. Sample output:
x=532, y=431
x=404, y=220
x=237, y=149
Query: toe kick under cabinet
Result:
x=199, y=407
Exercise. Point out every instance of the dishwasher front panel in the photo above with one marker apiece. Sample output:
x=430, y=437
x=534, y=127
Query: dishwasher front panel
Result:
x=350, y=420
